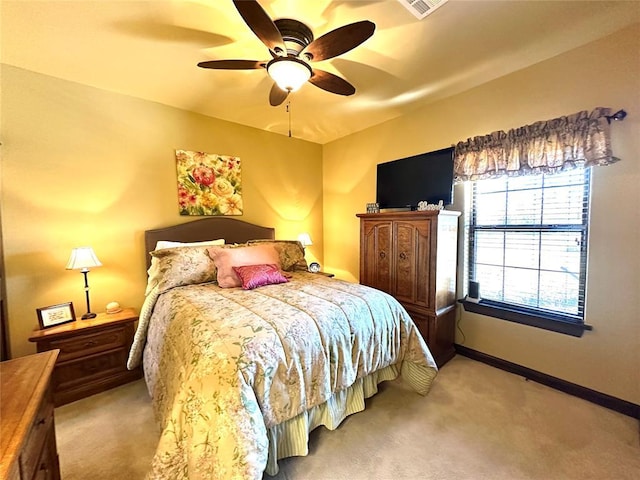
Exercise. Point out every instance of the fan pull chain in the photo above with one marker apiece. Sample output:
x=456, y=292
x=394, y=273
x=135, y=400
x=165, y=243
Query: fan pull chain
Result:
x=289, y=112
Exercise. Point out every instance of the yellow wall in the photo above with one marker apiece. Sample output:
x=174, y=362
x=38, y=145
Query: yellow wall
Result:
x=82, y=166
x=604, y=73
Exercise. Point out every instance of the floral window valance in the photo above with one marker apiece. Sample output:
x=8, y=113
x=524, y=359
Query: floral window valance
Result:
x=543, y=147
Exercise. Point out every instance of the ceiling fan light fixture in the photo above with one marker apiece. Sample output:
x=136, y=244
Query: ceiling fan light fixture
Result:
x=289, y=73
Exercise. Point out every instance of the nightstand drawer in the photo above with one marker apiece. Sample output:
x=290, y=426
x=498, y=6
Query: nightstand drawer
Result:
x=80, y=371
x=90, y=343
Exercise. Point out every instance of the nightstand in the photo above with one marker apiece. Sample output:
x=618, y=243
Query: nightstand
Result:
x=330, y=275
x=93, y=354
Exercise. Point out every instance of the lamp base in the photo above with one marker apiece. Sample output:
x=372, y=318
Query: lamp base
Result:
x=89, y=315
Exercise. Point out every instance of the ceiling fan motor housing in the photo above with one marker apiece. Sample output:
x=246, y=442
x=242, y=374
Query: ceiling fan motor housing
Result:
x=296, y=35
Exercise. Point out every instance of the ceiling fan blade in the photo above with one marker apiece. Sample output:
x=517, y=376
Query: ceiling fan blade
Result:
x=331, y=83
x=260, y=24
x=341, y=40
x=277, y=95
x=232, y=64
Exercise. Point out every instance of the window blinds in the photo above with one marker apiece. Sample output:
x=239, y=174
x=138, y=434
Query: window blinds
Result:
x=528, y=241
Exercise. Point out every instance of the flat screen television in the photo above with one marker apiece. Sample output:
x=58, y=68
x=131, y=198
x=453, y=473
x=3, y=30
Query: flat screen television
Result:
x=425, y=177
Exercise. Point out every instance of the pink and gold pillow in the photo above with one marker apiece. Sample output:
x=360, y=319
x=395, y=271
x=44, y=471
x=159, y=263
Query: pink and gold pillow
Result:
x=254, y=276
x=291, y=253
x=227, y=258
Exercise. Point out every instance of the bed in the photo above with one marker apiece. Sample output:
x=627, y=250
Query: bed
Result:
x=239, y=376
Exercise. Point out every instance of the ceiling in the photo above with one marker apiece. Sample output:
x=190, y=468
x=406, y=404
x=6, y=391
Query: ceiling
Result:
x=149, y=49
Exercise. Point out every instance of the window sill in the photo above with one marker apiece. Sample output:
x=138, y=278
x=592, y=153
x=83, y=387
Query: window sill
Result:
x=484, y=307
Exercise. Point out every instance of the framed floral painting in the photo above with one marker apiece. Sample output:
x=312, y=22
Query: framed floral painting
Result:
x=208, y=184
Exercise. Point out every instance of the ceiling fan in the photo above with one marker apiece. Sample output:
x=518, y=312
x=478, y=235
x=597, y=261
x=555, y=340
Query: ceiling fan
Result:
x=292, y=46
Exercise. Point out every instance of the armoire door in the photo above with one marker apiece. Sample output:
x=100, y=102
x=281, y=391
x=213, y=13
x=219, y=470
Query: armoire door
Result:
x=412, y=256
x=377, y=255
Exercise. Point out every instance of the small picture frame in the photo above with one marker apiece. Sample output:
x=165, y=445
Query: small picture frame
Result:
x=54, y=315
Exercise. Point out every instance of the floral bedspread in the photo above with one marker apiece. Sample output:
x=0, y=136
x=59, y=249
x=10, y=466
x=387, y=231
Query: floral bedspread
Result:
x=225, y=365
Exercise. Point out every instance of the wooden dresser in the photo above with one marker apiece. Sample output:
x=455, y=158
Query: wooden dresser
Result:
x=93, y=354
x=413, y=256
x=28, y=439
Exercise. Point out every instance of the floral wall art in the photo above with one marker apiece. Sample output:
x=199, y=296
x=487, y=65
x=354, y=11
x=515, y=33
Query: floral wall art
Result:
x=208, y=184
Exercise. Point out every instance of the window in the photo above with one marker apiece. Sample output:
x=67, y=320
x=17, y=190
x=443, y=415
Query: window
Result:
x=528, y=248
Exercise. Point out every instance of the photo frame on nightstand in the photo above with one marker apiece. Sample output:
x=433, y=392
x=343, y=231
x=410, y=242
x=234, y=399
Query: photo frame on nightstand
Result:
x=54, y=315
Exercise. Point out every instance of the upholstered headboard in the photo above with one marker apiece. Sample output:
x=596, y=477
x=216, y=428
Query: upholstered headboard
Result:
x=210, y=228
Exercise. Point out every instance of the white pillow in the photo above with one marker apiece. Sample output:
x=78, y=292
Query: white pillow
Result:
x=154, y=272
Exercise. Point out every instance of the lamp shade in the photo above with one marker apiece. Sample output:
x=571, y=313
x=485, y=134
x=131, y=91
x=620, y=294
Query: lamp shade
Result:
x=289, y=73
x=305, y=239
x=83, y=258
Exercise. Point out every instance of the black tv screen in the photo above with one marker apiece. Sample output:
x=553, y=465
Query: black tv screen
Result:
x=426, y=177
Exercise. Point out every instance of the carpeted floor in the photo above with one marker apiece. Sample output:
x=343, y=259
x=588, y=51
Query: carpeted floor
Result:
x=476, y=423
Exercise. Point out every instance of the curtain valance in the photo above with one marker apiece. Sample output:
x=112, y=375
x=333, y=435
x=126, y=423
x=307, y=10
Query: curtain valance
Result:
x=543, y=147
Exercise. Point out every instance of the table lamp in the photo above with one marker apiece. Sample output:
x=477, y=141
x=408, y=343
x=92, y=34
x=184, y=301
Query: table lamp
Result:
x=305, y=240
x=83, y=258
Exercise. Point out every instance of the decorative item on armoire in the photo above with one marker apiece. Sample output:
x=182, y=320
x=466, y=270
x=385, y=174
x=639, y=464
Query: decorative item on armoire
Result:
x=424, y=205
x=373, y=208
x=208, y=184
x=84, y=258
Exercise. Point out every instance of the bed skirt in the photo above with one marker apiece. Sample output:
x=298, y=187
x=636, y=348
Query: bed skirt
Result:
x=291, y=438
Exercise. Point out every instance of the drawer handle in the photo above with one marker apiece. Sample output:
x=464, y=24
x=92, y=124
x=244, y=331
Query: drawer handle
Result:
x=42, y=421
x=91, y=343
x=403, y=256
x=382, y=254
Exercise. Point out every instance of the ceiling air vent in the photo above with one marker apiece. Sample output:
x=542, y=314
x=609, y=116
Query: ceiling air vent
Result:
x=422, y=8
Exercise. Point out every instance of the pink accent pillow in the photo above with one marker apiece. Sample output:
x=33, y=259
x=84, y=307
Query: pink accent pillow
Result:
x=254, y=276
x=227, y=258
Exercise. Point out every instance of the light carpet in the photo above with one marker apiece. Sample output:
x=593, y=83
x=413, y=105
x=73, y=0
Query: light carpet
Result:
x=477, y=423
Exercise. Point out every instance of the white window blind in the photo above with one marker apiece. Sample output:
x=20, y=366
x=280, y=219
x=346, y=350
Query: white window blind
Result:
x=528, y=242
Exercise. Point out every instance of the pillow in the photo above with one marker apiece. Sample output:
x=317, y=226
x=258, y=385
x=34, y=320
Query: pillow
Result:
x=254, y=276
x=153, y=271
x=291, y=253
x=180, y=266
x=227, y=258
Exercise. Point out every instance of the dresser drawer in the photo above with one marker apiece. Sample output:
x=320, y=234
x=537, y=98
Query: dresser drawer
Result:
x=47, y=466
x=90, y=343
x=39, y=434
x=14, y=472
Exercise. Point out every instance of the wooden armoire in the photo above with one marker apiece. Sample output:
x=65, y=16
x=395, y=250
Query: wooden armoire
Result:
x=413, y=256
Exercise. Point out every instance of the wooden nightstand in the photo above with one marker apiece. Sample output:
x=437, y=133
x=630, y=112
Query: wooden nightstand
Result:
x=93, y=354
x=326, y=274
